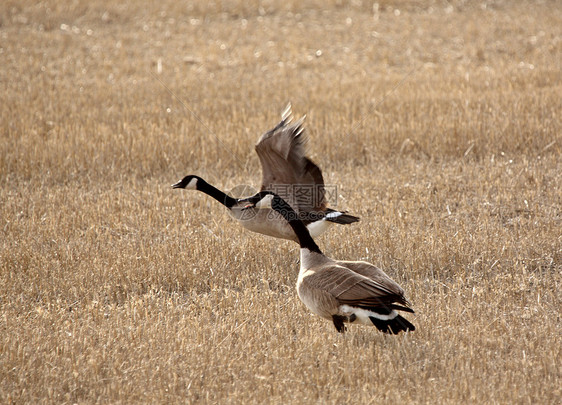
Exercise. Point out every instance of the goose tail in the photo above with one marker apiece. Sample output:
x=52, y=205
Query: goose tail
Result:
x=339, y=217
x=394, y=325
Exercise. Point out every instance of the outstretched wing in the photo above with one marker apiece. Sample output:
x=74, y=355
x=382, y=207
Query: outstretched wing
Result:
x=285, y=168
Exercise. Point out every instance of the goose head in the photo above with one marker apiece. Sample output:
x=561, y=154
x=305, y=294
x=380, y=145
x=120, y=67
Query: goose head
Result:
x=188, y=182
x=270, y=200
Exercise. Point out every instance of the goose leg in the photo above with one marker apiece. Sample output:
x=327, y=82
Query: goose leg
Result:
x=338, y=323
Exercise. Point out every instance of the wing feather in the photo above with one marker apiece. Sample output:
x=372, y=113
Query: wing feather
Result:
x=355, y=289
x=285, y=168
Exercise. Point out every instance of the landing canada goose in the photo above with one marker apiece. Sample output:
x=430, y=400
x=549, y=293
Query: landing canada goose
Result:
x=286, y=170
x=341, y=291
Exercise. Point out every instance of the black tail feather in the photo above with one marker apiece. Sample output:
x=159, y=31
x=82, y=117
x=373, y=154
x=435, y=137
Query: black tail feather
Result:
x=402, y=308
x=394, y=325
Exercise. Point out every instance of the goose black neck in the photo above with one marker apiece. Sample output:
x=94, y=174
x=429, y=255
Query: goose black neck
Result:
x=300, y=229
x=217, y=194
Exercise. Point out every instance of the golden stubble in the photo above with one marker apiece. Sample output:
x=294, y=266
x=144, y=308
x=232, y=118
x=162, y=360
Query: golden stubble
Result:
x=439, y=124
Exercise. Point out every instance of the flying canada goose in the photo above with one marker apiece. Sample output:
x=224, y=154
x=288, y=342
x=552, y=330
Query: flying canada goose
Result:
x=341, y=291
x=286, y=170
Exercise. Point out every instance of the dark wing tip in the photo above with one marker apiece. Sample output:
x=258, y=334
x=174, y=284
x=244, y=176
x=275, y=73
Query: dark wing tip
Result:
x=286, y=118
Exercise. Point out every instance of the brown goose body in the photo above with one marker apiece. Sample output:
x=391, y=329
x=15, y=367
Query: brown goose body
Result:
x=354, y=292
x=343, y=291
x=287, y=170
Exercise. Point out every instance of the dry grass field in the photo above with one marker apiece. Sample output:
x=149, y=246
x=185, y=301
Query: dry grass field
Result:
x=438, y=121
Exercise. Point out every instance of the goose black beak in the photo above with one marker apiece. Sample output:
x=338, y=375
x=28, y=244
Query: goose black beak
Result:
x=177, y=185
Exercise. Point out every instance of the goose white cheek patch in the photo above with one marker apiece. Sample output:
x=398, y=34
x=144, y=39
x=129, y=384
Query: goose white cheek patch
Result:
x=265, y=202
x=192, y=185
x=318, y=227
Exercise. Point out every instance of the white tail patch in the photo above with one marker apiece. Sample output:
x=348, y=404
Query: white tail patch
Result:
x=364, y=314
x=334, y=214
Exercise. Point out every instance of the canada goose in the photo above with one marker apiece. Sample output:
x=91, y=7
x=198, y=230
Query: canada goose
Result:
x=341, y=291
x=284, y=168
